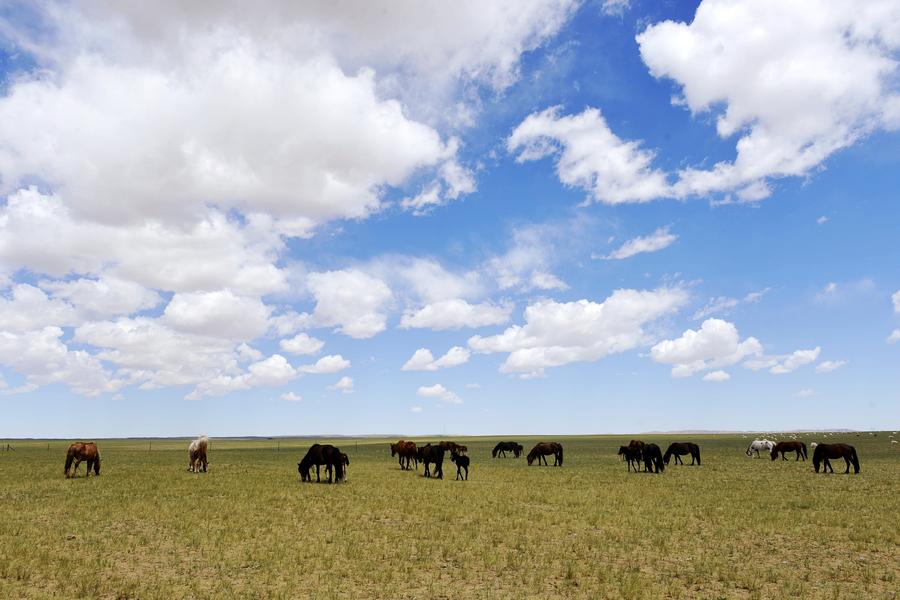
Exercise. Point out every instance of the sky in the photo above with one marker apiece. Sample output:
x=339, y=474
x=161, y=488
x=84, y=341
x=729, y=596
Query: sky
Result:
x=531, y=217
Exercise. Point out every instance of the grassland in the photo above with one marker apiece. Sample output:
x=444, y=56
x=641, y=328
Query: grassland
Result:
x=733, y=528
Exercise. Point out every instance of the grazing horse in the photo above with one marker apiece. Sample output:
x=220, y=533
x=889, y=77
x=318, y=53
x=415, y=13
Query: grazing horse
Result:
x=462, y=464
x=432, y=454
x=653, y=458
x=825, y=451
x=782, y=447
x=757, y=445
x=322, y=454
x=504, y=447
x=197, y=454
x=542, y=449
x=406, y=451
x=678, y=449
x=80, y=451
x=633, y=457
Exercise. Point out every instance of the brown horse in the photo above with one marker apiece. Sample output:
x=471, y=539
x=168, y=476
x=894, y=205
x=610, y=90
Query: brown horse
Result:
x=679, y=449
x=322, y=454
x=504, y=447
x=429, y=454
x=80, y=451
x=782, y=447
x=825, y=451
x=631, y=455
x=543, y=449
x=406, y=452
x=653, y=458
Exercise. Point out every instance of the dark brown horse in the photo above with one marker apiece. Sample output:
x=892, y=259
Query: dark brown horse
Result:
x=80, y=451
x=679, y=449
x=406, y=452
x=782, y=447
x=543, y=449
x=429, y=454
x=322, y=454
x=633, y=457
x=825, y=451
x=504, y=447
x=653, y=458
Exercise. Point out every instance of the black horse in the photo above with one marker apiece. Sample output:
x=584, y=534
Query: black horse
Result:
x=432, y=454
x=652, y=456
x=462, y=464
x=504, y=447
x=632, y=455
x=322, y=454
x=825, y=451
x=678, y=449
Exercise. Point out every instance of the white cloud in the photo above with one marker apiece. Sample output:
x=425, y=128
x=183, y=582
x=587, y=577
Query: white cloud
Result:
x=590, y=156
x=895, y=298
x=827, y=366
x=332, y=363
x=830, y=288
x=658, y=240
x=556, y=334
x=894, y=337
x=415, y=408
x=274, y=371
x=423, y=360
x=796, y=81
x=724, y=304
x=291, y=397
x=822, y=220
x=717, y=376
x=104, y=297
x=615, y=7
x=716, y=344
x=440, y=392
x=301, y=344
x=350, y=300
x=805, y=393
x=343, y=385
x=217, y=314
x=29, y=308
x=796, y=360
x=455, y=314
x=531, y=254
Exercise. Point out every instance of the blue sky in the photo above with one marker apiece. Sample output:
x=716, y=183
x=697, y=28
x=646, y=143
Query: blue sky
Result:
x=534, y=218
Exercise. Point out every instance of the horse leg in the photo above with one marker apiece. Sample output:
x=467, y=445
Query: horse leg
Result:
x=847, y=460
x=75, y=470
x=467, y=472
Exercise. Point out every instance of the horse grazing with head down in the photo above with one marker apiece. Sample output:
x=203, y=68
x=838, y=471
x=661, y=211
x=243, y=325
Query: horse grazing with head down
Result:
x=782, y=447
x=197, y=454
x=429, y=454
x=679, y=449
x=825, y=451
x=406, y=452
x=757, y=445
x=80, y=451
x=633, y=457
x=653, y=459
x=322, y=454
x=542, y=450
x=504, y=447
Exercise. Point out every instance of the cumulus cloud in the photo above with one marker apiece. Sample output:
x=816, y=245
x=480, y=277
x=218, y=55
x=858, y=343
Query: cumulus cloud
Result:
x=28, y=308
x=717, y=376
x=291, y=397
x=894, y=337
x=274, y=371
x=758, y=67
x=455, y=314
x=350, y=300
x=529, y=259
x=103, y=297
x=217, y=314
x=589, y=156
x=781, y=365
x=716, y=344
x=559, y=333
x=423, y=360
x=440, y=392
x=302, y=344
x=343, y=385
x=895, y=298
x=827, y=366
x=332, y=363
x=658, y=240
x=822, y=220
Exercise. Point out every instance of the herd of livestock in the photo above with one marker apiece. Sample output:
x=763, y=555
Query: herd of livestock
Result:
x=431, y=455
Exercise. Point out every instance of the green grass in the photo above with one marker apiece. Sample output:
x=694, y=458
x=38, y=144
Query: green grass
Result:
x=733, y=528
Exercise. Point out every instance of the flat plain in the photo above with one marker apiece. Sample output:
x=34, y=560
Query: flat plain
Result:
x=735, y=527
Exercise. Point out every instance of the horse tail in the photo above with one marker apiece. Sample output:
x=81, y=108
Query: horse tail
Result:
x=805, y=455
x=697, y=450
x=854, y=459
x=560, y=455
x=749, y=449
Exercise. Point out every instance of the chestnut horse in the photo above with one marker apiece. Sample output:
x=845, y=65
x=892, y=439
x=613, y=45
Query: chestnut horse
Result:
x=542, y=449
x=653, y=458
x=197, y=454
x=782, y=447
x=825, y=451
x=80, y=451
x=504, y=447
x=678, y=449
x=405, y=451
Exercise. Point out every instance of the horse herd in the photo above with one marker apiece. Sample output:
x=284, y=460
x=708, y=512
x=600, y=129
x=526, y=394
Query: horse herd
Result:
x=431, y=455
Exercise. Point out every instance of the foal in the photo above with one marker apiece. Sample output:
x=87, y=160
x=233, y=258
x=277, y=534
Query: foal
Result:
x=462, y=464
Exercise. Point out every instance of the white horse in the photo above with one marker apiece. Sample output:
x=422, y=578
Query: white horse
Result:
x=757, y=445
x=197, y=454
